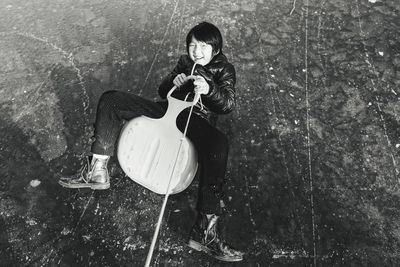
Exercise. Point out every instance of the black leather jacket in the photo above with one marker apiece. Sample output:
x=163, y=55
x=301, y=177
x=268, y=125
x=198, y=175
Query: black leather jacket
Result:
x=220, y=76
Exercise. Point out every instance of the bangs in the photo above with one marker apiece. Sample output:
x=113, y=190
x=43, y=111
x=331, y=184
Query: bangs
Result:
x=207, y=33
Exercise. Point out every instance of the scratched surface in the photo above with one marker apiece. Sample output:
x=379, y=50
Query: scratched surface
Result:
x=313, y=174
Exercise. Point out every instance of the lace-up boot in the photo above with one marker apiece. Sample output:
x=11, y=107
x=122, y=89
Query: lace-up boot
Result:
x=204, y=237
x=93, y=175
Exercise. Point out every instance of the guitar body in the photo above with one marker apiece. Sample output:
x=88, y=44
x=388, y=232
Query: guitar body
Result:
x=148, y=151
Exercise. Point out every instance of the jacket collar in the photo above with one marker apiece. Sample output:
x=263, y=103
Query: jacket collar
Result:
x=220, y=57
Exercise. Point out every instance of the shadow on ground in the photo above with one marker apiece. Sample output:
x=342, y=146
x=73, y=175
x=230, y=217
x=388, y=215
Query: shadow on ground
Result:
x=313, y=174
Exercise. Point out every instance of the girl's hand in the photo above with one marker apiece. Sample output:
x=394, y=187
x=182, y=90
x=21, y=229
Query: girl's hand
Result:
x=181, y=79
x=200, y=85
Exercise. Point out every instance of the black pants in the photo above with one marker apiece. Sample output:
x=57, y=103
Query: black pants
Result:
x=115, y=107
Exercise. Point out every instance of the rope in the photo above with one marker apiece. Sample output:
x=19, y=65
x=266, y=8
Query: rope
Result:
x=164, y=204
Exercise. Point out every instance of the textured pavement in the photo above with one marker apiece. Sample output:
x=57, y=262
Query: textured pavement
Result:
x=313, y=174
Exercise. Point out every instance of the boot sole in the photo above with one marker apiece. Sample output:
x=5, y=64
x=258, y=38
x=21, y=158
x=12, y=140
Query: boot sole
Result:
x=199, y=247
x=85, y=185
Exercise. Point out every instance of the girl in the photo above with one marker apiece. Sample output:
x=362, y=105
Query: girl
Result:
x=214, y=78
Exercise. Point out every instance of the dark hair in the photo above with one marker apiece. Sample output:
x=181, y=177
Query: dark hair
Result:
x=208, y=33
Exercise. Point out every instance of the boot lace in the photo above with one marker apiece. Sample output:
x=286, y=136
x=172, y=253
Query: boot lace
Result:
x=211, y=231
x=87, y=170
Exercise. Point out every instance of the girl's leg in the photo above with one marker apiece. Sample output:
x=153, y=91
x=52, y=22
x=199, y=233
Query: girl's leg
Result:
x=113, y=108
x=212, y=148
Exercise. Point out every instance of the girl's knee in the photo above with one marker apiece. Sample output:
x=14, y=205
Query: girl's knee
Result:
x=109, y=97
x=109, y=94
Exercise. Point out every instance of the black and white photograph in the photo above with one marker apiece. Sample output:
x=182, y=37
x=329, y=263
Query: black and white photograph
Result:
x=199, y=133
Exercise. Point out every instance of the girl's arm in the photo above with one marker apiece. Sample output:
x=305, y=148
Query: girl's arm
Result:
x=221, y=97
x=167, y=82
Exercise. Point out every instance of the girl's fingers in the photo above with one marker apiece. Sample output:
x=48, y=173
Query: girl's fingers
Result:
x=191, y=77
x=200, y=82
x=201, y=86
x=180, y=79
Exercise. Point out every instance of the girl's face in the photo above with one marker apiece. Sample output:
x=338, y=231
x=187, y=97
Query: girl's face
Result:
x=200, y=52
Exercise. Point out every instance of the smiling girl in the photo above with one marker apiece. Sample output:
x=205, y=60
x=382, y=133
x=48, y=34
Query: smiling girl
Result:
x=214, y=79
